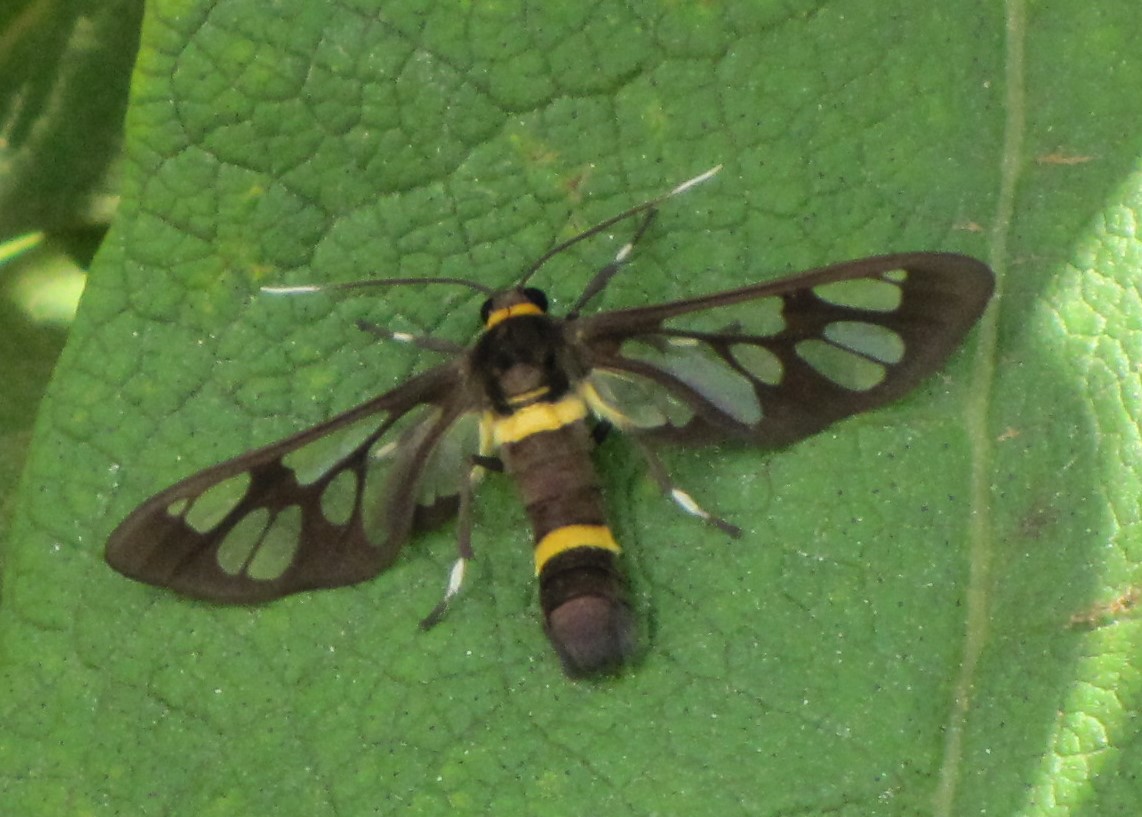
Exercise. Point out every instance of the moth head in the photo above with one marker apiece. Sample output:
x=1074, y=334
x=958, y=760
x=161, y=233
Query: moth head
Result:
x=511, y=304
x=521, y=357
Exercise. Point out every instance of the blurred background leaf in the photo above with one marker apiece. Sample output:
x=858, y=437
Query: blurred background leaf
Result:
x=64, y=75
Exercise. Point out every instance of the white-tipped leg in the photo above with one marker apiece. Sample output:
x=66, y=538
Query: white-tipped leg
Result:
x=455, y=582
x=680, y=497
x=463, y=548
x=687, y=503
x=600, y=279
x=650, y=209
x=419, y=341
x=604, y=275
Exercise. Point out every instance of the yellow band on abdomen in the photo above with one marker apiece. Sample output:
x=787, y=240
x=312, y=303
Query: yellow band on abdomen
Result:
x=537, y=417
x=570, y=537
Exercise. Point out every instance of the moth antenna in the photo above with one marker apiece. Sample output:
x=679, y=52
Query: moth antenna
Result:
x=650, y=204
x=379, y=282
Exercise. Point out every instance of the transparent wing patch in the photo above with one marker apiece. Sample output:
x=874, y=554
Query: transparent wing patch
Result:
x=326, y=507
x=777, y=362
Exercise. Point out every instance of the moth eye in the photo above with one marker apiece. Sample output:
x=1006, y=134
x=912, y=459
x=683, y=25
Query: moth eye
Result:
x=537, y=297
x=485, y=311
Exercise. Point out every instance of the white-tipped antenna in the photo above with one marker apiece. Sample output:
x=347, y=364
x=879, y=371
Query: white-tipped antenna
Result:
x=602, y=225
x=593, y=288
x=379, y=282
x=686, y=185
x=291, y=290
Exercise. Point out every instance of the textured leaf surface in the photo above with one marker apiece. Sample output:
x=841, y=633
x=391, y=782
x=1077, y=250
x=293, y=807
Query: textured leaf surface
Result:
x=931, y=611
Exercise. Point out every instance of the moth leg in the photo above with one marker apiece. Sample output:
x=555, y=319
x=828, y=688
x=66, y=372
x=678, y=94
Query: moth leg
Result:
x=488, y=463
x=600, y=432
x=650, y=208
x=420, y=341
x=681, y=498
x=604, y=275
x=464, y=549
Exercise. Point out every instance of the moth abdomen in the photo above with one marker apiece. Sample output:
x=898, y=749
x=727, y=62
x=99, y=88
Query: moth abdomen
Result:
x=586, y=615
x=582, y=591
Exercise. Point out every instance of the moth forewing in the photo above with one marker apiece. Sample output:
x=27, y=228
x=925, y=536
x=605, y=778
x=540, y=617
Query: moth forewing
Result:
x=290, y=516
x=824, y=345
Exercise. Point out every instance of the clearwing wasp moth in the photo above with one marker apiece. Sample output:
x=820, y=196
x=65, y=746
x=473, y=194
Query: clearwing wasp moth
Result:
x=766, y=365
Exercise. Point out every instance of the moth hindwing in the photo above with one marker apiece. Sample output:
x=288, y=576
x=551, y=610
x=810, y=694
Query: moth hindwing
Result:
x=766, y=365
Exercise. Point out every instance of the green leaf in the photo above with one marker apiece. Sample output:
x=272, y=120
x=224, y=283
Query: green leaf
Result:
x=61, y=92
x=63, y=78
x=932, y=609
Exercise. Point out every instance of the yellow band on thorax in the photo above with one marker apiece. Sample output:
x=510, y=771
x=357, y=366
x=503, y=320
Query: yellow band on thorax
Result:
x=513, y=311
x=529, y=396
x=570, y=537
x=537, y=417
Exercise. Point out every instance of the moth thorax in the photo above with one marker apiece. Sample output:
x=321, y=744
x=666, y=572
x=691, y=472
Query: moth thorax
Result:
x=525, y=383
x=521, y=361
